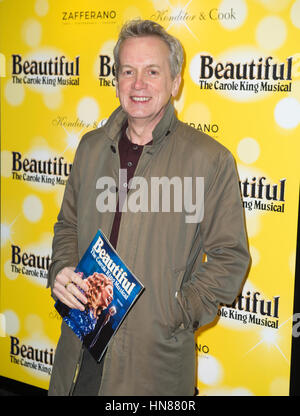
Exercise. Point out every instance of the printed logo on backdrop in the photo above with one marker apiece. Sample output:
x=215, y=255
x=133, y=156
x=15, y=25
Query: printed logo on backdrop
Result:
x=36, y=359
x=213, y=129
x=107, y=71
x=202, y=348
x=41, y=71
x=260, y=194
x=89, y=17
x=184, y=15
x=74, y=123
x=29, y=263
x=252, y=308
x=40, y=171
x=242, y=74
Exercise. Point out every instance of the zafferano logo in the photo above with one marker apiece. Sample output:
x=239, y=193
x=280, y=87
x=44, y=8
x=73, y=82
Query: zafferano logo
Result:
x=88, y=16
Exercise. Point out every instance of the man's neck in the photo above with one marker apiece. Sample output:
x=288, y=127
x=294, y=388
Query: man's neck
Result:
x=140, y=131
x=139, y=136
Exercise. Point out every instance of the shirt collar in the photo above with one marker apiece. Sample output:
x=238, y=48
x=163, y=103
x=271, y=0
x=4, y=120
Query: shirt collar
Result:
x=166, y=125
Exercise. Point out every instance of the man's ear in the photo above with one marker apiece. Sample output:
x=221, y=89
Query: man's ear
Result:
x=176, y=84
x=117, y=88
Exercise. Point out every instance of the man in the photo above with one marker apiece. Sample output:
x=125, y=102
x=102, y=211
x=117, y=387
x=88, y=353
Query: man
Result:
x=152, y=353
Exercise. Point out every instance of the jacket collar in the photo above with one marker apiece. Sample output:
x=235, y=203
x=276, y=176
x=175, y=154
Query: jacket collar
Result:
x=165, y=126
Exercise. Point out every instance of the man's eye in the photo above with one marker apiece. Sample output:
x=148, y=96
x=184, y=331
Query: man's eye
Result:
x=127, y=72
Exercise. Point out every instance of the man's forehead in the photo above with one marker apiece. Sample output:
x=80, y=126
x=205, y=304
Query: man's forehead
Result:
x=149, y=50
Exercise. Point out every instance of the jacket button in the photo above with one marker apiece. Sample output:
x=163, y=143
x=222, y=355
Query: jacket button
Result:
x=113, y=189
x=196, y=325
x=113, y=148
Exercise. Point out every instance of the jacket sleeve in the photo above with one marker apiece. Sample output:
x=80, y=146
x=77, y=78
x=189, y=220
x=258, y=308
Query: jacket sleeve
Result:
x=65, y=243
x=223, y=240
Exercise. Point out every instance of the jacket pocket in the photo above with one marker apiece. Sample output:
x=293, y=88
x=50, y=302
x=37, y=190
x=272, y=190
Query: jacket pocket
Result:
x=181, y=317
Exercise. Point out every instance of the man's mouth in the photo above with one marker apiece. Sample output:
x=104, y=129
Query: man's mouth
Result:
x=140, y=99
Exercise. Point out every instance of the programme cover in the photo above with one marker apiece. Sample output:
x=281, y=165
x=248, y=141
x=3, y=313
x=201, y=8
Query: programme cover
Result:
x=112, y=291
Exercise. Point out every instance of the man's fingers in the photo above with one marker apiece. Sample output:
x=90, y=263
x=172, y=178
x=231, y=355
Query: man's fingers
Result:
x=67, y=275
x=73, y=290
x=68, y=287
x=78, y=281
x=67, y=298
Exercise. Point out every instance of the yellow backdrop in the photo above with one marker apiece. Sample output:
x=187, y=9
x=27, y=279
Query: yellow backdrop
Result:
x=241, y=86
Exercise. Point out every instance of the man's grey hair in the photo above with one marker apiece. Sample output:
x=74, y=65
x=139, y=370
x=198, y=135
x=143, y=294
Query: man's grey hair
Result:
x=141, y=28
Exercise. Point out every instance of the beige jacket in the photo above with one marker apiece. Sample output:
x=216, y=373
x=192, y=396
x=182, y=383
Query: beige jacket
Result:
x=153, y=352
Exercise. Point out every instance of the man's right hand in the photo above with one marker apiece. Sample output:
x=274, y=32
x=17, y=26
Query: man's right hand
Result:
x=67, y=287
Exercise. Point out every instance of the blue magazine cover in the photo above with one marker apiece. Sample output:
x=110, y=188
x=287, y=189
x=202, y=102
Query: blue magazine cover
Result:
x=110, y=280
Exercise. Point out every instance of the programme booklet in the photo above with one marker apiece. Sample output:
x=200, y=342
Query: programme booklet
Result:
x=113, y=289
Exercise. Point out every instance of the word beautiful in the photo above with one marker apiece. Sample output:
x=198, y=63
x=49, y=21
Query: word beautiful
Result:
x=51, y=171
x=242, y=76
x=52, y=66
x=53, y=71
x=30, y=264
x=120, y=276
x=30, y=357
x=134, y=195
x=263, y=196
x=253, y=309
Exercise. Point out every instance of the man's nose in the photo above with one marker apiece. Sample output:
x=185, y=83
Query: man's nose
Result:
x=139, y=81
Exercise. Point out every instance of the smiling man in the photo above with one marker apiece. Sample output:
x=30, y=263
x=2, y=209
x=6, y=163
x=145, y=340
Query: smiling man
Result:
x=153, y=352
x=145, y=84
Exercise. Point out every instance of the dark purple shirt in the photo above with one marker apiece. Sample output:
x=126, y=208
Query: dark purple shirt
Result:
x=129, y=156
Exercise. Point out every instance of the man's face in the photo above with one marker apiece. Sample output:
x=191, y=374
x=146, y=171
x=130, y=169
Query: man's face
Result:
x=145, y=83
